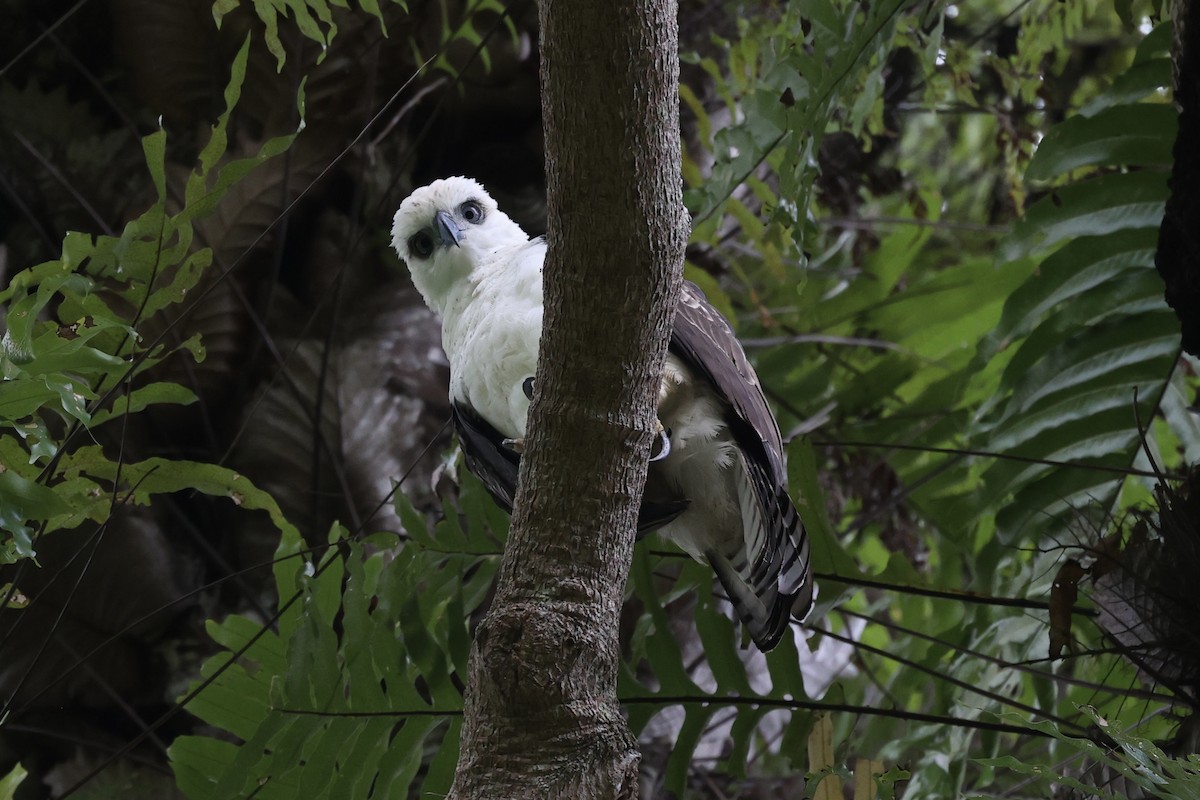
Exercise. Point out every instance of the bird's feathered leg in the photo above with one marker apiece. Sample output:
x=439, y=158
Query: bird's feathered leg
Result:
x=518, y=445
x=658, y=451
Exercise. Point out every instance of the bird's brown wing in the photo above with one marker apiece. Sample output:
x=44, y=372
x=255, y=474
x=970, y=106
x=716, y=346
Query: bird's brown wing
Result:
x=776, y=569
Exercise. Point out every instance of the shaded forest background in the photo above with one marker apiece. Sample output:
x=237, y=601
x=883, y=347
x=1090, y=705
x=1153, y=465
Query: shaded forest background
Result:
x=934, y=228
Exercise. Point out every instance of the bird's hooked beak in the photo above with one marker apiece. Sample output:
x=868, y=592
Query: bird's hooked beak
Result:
x=447, y=229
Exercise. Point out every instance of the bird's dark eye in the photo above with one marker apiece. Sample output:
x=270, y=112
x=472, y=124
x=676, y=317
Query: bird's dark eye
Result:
x=471, y=212
x=420, y=244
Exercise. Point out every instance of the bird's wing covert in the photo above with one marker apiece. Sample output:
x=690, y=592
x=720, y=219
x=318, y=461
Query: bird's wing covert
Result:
x=777, y=569
x=706, y=343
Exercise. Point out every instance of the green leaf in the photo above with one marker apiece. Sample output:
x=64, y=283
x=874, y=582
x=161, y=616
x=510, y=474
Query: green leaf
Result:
x=22, y=500
x=441, y=769
x=399, y=765
x=28, y=499
x=195, y=758
x=73, y=395
x=63, y=348
x=181, y=280
x=1147, y=341
x=143, y=479
x=143, y=397
x=720, y=642
x=371, y=664
x=828, y=555
x=661, y=647
x=21, y=397
x=1126, y=135
x=1142, y=79
x=10, y=782
x=1080, y=265
x=679, y=762
x=783, y=664
x=155, y=148
x=218, y=141
x=76, y=249
x=23, y=313
x=1091, y=208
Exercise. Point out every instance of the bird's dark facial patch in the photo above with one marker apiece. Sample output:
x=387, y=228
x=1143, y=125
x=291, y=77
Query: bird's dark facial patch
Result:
x=420, y=244
x=471, y=211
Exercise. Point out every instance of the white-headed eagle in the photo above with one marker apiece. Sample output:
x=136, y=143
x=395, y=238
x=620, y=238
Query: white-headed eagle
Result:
x=717, y=482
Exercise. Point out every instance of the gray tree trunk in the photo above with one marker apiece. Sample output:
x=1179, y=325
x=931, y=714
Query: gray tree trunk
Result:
x=541, y=716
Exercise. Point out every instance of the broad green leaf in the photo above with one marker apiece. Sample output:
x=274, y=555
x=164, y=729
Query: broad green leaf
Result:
x=1091, y=208
x=218, y=140
x=60, y=349
x=195, y=758
x=399, y=765
x=366, y=666
x=680, y=760
x=828, y=555
x=23, y=313
x=159, y=475
x=441, y=769
x=182, y=279
x=1149, y=341
x=143, y=397
x=1059, y=499
x=1141, y=80
x=155, y=148
x=742, y=735
x=1126, y=135
x=22, y=501
x=1033, y=427
x=1078, y=266
x=783, y=664
x=661, y=647
x=21, y=397
x=719, y=638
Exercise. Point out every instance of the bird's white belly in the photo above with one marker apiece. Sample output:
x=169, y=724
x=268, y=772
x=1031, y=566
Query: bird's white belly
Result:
x=489, y=364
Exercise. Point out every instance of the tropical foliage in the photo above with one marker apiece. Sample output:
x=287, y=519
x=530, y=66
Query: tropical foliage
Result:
x=934, y=228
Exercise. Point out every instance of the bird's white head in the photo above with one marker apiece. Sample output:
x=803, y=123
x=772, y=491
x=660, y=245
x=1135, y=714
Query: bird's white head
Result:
x=445, y=231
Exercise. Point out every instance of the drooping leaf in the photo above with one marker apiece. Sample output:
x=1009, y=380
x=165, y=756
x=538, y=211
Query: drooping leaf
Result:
x=10, y=782
x=1092, y=208
x=1122, y=135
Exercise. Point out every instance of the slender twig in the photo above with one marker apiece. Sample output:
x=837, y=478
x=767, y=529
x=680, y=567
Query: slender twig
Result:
x=941, y=676
x=66, y=15
x=820, y=338
x=949, y=594
x=870, y=223
x=967, y=451
x=1018, y=666
x=17, y=200
x=68, y=185
x=731, y=700
x=91, y=744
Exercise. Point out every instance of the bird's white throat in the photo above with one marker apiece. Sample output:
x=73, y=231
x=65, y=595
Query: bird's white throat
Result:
x=491, y=333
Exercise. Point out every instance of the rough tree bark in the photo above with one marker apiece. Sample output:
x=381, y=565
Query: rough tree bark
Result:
x=541, y=716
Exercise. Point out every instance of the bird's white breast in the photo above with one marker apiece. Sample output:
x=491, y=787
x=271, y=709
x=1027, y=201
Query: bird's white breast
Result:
x=491, y=334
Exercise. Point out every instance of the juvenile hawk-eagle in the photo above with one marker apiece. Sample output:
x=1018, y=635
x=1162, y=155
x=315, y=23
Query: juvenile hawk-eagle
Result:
x=717, y=483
